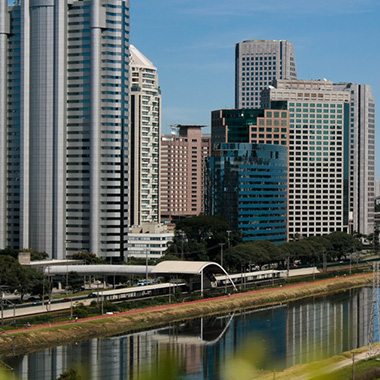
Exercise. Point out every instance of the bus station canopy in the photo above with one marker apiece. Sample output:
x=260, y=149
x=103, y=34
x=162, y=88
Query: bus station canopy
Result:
x=186, y=267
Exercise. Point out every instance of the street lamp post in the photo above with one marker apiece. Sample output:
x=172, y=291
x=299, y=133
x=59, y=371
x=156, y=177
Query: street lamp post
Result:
x=228, y=233
x=287, y=266
x=2, y=308
x=221, y=253
x=324, y=261
x=67, y=268
x=182, y=235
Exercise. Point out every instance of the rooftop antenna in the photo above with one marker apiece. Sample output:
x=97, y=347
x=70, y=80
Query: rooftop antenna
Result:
x=174, y=128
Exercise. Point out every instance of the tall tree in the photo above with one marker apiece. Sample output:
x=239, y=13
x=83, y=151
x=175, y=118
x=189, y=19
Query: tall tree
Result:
x=199, y=237
x=258, y=252
x=343, y=244
x=200, y=228
x=13, y=277
x=87, y=257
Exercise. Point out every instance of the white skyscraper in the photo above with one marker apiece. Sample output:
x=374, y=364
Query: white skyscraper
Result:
x=64, y=126
x=361, y=156
x=145, y=139
x=318, y=151
x=377, y=188
x=257, y=63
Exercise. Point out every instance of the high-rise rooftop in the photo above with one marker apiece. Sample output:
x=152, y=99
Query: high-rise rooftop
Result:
x=257, y=64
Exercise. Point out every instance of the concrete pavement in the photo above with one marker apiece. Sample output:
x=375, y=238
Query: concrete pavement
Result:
x=11, y=312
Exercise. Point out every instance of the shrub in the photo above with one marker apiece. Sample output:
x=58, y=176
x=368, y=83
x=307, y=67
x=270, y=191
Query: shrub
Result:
x=108, y=306
x=372, y=374
x=125, y=305
x=70, y=374
x=80, y=312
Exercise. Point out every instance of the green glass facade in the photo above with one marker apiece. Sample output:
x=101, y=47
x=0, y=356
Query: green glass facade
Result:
x=238, y=121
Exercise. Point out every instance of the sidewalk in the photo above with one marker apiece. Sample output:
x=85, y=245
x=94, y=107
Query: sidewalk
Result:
x=10, y=312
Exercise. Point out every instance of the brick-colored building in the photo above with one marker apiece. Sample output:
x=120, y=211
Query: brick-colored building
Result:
x=260, y=126
x=183, y=155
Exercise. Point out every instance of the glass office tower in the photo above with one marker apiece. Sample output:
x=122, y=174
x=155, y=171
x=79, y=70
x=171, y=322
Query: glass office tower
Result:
x=65, y=170
x=248, y=187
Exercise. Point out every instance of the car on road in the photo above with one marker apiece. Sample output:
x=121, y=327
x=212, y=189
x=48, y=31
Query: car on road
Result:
x=143, y=283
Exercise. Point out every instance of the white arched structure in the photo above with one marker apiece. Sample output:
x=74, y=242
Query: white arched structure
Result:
x=189, y=268
x=195, y=268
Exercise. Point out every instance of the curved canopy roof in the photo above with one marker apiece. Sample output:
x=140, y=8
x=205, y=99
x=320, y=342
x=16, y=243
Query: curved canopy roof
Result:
x=186, y=267
x=195, y=268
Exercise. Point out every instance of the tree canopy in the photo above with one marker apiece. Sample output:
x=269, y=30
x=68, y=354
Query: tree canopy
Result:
x=14, y=277
x=199, y=238
x=343, y=244
x=87, y=257
x=75, y=281
x=199, y=228
x=312, y=249
x=70, y=374
x=254, y=253
x=9, y=252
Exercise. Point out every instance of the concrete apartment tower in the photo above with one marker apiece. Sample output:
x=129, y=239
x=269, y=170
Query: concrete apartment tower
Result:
x=361, y=156
x=257, y=64
x=183, y=155
x=377, y=188
x=145, y=139
x=318, y=154
x=64, y=96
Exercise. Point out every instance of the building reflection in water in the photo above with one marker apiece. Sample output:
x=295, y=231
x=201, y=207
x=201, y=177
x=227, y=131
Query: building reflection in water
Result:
x=289, y=334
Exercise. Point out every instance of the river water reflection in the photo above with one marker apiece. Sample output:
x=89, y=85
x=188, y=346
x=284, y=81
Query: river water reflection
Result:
x=285, y=335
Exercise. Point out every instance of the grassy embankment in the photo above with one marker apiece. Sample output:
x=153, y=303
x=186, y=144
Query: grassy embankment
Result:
x=338, y=367
x=48, y=336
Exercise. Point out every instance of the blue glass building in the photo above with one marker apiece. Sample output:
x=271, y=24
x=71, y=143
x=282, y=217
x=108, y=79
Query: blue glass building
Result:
x=248, y=187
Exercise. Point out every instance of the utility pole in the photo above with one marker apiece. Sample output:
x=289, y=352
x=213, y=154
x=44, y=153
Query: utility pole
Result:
x=146, y=265
x=2, y=308
x=43, y=286
x=287, y=266
x=375, y=310
x=228, y=233
x=182, y=253
x=350, y=261
x=221, y=253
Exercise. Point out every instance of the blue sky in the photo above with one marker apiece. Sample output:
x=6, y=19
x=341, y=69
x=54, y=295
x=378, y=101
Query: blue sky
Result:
x=192, y=44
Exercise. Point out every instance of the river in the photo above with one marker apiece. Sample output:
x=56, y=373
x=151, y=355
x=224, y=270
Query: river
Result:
x=209, y=348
